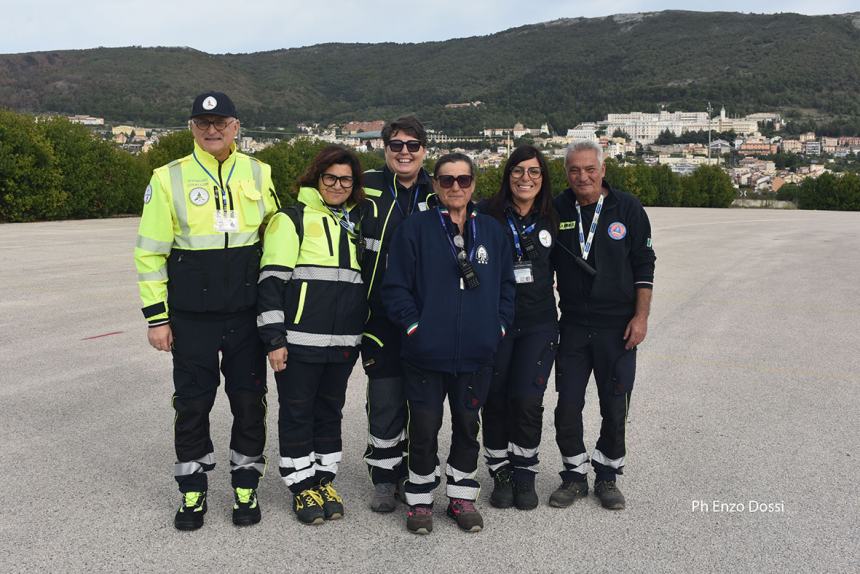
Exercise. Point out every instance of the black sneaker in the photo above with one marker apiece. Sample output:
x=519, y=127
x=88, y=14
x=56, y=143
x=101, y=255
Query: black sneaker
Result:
x=568, y=492
x=332, y=502
x=503, y=490
x=609, y=495
x=525, y=497
x=308, y=506
x=419, y=519
x=191, y=511
x=246, y=510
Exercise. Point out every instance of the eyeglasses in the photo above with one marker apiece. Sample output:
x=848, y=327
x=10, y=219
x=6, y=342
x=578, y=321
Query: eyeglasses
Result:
x=329, y=179
x=397, y=145
x=447, y=181
x=220, y=124
x=518, y=172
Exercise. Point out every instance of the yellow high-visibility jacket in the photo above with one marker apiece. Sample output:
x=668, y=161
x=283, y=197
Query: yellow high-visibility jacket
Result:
x=312, y=298
x=184, y=263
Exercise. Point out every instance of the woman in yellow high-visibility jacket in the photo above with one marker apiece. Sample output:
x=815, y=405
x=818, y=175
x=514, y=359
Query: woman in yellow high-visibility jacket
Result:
x=312, y=306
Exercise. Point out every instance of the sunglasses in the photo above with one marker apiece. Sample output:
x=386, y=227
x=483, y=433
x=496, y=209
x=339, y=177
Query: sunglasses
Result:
x=397, y=145
x=447, y=181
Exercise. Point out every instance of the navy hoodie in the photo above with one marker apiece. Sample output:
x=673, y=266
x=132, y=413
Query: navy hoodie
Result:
x=447, y=328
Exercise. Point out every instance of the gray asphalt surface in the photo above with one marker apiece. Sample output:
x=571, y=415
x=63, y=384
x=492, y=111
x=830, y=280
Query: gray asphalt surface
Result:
x=747, y=390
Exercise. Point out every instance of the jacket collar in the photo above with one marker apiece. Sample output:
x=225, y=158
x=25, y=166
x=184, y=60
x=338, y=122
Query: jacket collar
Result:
x=311, y=197
x=209, y=161
x=610, y=201
x=423, y=178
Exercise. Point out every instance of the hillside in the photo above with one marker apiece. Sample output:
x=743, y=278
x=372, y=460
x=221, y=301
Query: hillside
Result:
x=563, y=71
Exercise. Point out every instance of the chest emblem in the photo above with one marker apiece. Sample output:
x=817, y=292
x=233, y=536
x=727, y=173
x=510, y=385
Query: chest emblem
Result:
x=545, y=238
x=617, y=230
x=481, y=255
x=198, y=196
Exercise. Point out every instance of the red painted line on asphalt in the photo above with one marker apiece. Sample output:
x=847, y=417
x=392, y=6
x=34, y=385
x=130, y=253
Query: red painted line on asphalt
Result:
x=103, y=335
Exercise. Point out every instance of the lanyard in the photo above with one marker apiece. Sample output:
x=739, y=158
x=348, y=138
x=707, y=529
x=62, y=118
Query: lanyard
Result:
x=343, y=220
x=516, y=233
x=217, y=184
x=413, y=202
x=451, y=241
x=585, y=246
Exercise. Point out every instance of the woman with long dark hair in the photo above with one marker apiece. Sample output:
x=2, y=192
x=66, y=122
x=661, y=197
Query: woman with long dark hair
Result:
x=312, y=305
x=512, y=415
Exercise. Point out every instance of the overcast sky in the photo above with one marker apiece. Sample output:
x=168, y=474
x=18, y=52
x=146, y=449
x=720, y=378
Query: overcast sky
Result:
x=219, y=26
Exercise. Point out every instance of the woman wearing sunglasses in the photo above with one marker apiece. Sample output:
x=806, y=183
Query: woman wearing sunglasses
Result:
x=512, y=416
x=450, y=288
x=312, y=306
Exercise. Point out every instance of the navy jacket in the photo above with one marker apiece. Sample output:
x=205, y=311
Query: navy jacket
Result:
x=621, y=253
x=446, y=328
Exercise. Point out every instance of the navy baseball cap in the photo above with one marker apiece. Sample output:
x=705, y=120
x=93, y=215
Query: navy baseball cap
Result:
x=215, y=104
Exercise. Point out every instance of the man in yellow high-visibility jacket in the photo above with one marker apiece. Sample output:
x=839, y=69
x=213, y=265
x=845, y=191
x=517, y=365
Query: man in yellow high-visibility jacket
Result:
x=197, y=258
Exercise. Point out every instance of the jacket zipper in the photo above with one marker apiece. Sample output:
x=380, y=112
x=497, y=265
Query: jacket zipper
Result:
x=328, y=236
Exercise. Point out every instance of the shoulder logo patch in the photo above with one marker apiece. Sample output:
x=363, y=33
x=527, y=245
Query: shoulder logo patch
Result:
x=147, y=195
x=617, y=230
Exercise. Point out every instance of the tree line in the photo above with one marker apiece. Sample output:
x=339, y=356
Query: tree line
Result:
x=53, y=169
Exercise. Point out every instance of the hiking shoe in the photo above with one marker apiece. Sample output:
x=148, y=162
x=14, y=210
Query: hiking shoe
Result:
x=332, y=502
x=609, y=495
x=467, y=516
x=524, y=495
x=503, y=490
x=419, y=520
x=568, y=492
x=383, y=497
x=191, y=511
x=246, y=511
x=308, y=506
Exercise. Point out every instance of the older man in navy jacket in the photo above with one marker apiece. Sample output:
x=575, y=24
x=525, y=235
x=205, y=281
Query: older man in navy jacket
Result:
x=450, y=286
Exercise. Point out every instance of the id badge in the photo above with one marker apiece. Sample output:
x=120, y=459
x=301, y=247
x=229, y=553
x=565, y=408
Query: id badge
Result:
x=226, y=221
x=422, y=206
x=523, y=272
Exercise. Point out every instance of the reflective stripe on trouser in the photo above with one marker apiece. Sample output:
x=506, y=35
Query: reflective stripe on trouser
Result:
x=513, y=414
x=196, y=376
x=425, y=393
x=581, y=351
x=311, y=398
x=386, y=440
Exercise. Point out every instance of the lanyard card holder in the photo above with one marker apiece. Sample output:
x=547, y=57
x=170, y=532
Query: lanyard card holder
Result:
x=226, y=221
x=523, y=272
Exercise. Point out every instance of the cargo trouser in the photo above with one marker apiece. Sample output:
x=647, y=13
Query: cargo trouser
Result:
x=425, y=396
x=311, y=398
x=198, y=340
x=513, y=415
x=386, y=403
x=583, y=350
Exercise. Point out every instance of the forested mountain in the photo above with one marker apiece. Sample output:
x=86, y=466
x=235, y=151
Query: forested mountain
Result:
x=563, y=72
